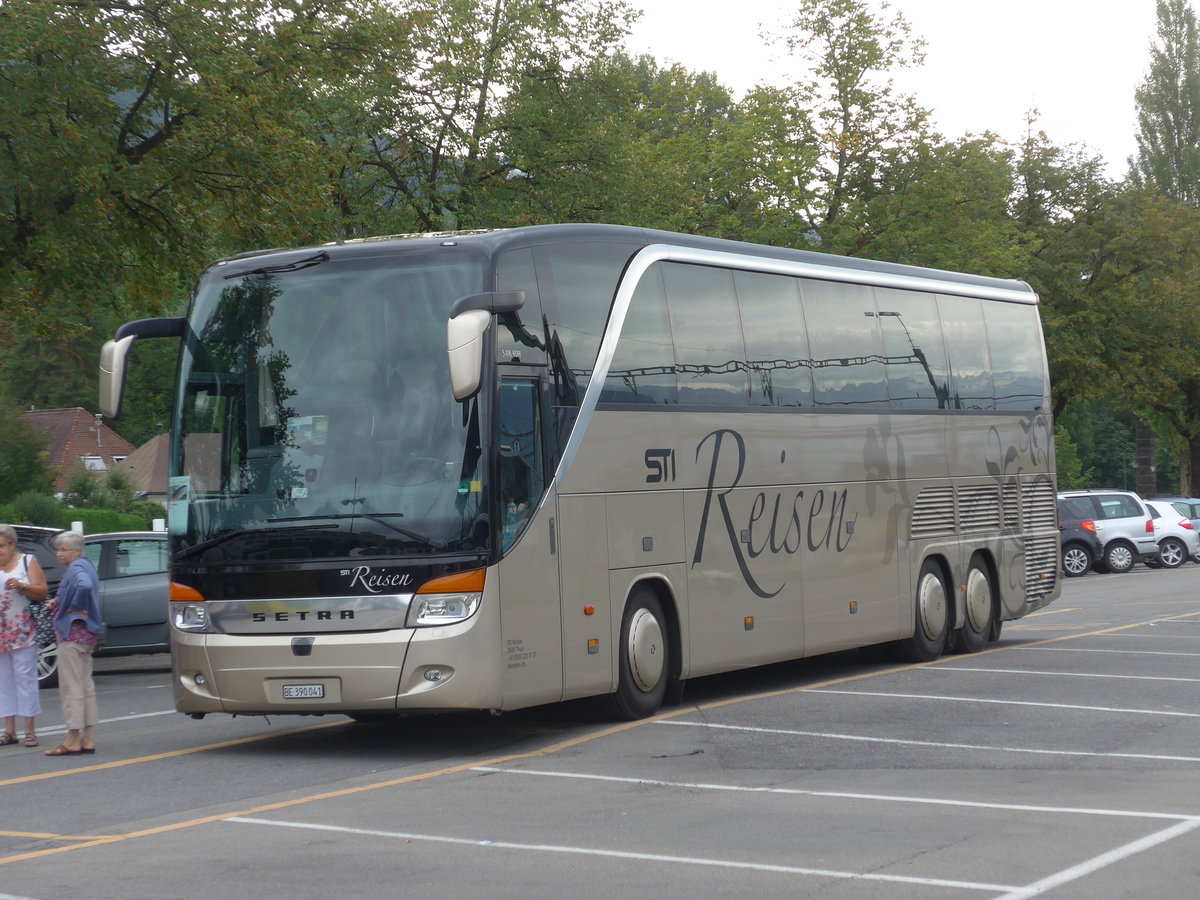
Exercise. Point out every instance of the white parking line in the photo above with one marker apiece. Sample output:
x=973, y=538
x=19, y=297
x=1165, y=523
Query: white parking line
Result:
x=62, y=729
x=868, y=739
x=1107, y=709
x=1097, y=863
x=631, y=855
x=1063, y=674
x=1183, y=823
x=843, y=795
x=1062, y=647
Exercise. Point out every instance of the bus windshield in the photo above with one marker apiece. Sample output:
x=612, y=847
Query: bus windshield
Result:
x=315, y=418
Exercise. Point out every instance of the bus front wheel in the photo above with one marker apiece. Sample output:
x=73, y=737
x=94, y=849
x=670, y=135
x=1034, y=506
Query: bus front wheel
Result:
x=643, y=658
x=932, y=617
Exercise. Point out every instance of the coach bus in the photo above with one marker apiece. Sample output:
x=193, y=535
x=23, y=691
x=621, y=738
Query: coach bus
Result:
x=500, y=469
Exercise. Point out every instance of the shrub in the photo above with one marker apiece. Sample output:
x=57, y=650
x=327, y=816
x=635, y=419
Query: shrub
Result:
x=39, y=509
x=96, y=521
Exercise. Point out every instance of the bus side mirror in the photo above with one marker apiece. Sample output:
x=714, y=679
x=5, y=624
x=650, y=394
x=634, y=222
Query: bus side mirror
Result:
x=464, y=344
x=114, y=353
x=469, y=320
x=112, y=374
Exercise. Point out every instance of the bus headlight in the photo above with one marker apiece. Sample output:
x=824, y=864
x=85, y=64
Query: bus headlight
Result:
x=190, y=617
x=447, y=600
x=187, y=608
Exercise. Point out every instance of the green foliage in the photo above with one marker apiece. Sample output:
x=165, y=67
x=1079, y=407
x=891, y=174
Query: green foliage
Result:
x=1168, y=103
x=1071, y=474
x=22, y=457
x=39, y=509
x=147, y=511
x=114, y=490
x=98, y=521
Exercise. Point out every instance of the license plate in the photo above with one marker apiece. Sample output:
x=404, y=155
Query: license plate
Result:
x=303, y=691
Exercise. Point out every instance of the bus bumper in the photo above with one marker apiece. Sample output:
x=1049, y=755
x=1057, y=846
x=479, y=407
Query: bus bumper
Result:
x=398, y=670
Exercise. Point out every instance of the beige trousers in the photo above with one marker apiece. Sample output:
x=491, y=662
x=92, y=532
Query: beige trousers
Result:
x=76, y=691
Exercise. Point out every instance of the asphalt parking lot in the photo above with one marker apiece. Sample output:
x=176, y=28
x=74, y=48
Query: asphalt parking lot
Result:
x=1062, y=762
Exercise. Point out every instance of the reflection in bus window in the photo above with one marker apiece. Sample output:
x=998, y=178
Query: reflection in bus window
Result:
x=1014, y=339
x=776, y=339
x=966, y=345
x=710, y=356
x=643, y=367
x=520, y=457
x=913, y=349
x=848, y=368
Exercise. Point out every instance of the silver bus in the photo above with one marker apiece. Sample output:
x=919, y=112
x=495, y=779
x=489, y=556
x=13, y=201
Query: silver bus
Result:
x=494, y=470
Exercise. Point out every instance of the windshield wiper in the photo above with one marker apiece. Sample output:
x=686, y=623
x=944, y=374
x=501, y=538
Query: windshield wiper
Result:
x=230, y=535
x=314, y=260
x=378, y=519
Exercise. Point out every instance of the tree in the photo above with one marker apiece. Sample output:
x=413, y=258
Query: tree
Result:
x=1168, y=104
x=855, y=117
x=437, y=142
x=22, y=457
x=137, y=141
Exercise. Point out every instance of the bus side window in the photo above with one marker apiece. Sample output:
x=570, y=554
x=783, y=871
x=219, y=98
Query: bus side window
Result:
x=520, y=460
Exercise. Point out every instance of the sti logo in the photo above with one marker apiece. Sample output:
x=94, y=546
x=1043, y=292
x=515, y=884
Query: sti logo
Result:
x=661, y=464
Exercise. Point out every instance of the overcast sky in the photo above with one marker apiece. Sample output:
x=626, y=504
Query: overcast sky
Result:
x=987, y=62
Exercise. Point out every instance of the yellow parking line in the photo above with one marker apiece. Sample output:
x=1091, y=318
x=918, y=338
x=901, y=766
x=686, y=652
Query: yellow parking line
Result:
x=118, y=763
x=104, y=840
x=1053, y=612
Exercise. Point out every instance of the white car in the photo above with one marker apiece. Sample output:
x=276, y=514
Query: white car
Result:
x=1177, y=538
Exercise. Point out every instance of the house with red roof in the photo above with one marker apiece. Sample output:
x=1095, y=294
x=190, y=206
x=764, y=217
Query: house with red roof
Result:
x=77, y=437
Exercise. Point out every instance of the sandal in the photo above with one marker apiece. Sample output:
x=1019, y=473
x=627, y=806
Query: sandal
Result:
x=63, y=750
x=31, y=740
x=7, y=738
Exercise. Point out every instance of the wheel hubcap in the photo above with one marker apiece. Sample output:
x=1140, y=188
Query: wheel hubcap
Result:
x=932, y=606
x=979, y=600
x=645, y=649
x=1120, y=558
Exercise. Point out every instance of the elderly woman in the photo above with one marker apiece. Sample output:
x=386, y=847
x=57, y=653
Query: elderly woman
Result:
x=23, y=583
x=78, y=625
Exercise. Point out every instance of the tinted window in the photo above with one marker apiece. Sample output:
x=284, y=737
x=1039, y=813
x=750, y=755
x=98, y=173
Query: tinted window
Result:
x=643, y=367
x=520, y=337
x=912, y=345
x=1014, y=342
x=1080, y=508
x=710, y=356
x=776, y=339
x=966, y=346
x=577, y=283
x=847, y=358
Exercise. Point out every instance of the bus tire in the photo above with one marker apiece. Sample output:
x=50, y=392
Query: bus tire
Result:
x=643, y=662
x=979, y=609
x=931, y=618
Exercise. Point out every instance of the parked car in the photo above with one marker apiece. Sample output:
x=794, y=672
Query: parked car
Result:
x=1123, y=524
x=1189, y=508
x=133, y=590
x=1177, y=538
x=1081, y=546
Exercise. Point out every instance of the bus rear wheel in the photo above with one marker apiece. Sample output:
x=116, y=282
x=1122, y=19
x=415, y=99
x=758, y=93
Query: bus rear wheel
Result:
x=932, y=617
x=643, y=658
x=979, y=610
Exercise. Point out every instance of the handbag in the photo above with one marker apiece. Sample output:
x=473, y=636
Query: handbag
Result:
x=43, y=619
